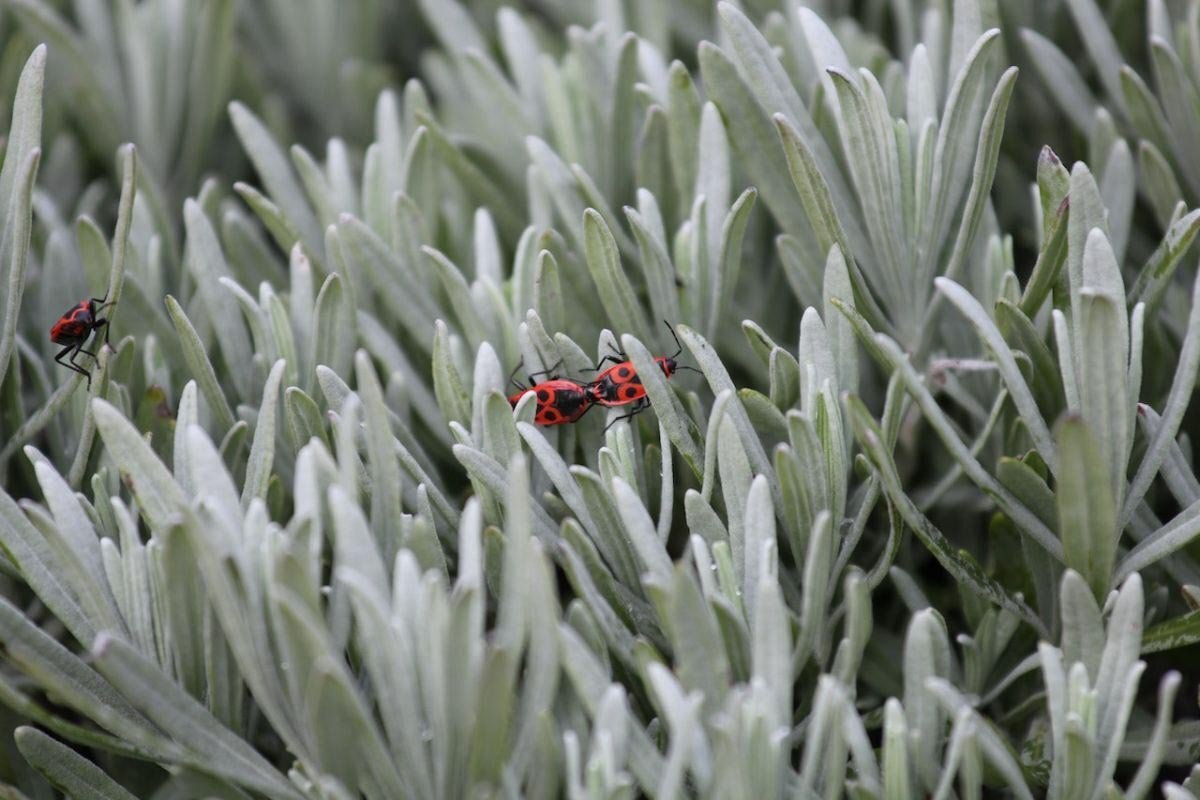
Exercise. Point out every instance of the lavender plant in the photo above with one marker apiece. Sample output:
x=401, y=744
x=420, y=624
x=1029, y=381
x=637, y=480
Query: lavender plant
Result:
x=924, y=524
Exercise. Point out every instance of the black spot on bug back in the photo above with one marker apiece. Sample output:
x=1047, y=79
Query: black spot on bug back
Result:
x=570, y=403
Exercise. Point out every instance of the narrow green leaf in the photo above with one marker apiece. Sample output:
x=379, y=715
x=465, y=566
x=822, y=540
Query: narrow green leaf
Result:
x=1161, y=188
x=453, y=25
x=388, y=654
x=959, y=563
x=702, y=519
x=1176, y=534
x=543, y=671
x=1120, y=671
x=926, y=655
x=208, y=266
x=256, y=318
x=1181, y=631
x=801, y=267
x=93, y=251
x=76, y=546
x=302, y=417
x=1018, y=388
x=784, y=373
x=1061, y=77
x=458, y=293
x=610, y=536
x=728, y=259
x=473, y=179
x=680, y=714
x=127, y=156
x=983, y=171
x=590, y=681
x=273, y=219
x=159, y=496
x=555, y=468
x=1021, y=335
x=604, y=263
x=1118, y=187
x=1028, y=487
x=1177, y=467
x=199, y=365
x=683, y=128
x=215, y=484
x=1087, y=212
x=24, y=137
x=74, y=682
x=276, y=172
x=353, y=545
x=262, y=450
x=1172, y=415
x=749, y=123
x=959, y=149
x=671, y=415
x=1156, y=275
x=842, y=344
x=316, y=184
x=825, y=48
x=381, y=449
x=765, y=79
x=890, y=352
x=656, y=263
x=719, y=380
x=696, y=637
x=1087, y=514
x=991, y=744
x=712, y=178
x=15, y=244
x=640, y=529
x=1053, y=186
x=547, y=291
x=228, y=755
x=814, y=592
x=401, y=284
x=771, y=647
x=491, y=475
x=1103, y=395
x=1101, y=45
x=1048, y=267
x=758, y=529
x=448, y=386
x=66, y=769
x=1148, y=769
x=871, y=148
x=334, y=329
x=897, y=781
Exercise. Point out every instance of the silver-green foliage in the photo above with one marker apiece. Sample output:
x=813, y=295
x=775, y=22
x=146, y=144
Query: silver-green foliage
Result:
x=296, y=543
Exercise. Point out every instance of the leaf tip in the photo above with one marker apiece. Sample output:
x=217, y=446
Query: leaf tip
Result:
x=102, y=644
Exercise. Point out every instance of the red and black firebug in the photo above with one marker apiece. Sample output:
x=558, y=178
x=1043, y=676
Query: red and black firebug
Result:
x=559, y=400
x=620, y=385
x=73, y=330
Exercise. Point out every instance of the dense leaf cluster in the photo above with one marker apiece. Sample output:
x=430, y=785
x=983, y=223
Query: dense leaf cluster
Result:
x=925, y=523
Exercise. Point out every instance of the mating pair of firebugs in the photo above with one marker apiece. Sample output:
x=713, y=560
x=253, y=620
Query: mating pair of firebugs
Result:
x=562, y=400
x=73, y=330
